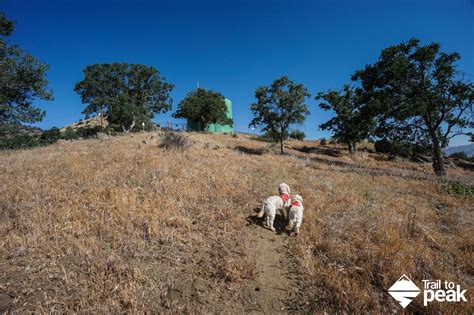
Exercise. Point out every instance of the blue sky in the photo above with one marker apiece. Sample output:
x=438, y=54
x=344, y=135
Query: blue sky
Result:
x=230, y=46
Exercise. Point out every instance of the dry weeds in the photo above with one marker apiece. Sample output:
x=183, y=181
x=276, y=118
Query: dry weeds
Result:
x=121, y=225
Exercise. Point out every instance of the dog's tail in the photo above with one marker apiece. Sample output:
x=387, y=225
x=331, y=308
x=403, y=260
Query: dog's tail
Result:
x=262, y=211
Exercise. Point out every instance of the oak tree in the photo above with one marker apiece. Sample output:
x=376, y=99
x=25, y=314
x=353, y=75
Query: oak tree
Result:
x=279, y=106
x=22, y=81
x=125, y=93
x=352, y=122
x=416, y=94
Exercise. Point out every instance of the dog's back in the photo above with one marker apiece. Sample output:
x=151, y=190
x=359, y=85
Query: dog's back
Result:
x=270, y=205
x=296, y=214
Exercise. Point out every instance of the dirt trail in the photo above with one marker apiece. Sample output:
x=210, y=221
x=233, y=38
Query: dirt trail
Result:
x=273, y=286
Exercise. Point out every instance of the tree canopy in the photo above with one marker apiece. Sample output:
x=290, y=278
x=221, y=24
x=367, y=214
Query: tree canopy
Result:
x=22, y=80
x=352, y=123
x=204, y=106
x=279, y=106
x=125, y=93
x=414, y=92
x=297, y=135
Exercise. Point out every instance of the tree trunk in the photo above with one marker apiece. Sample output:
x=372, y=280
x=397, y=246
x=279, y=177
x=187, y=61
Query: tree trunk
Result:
x=351, y=147
x=101, y=114
x=131, y=126
x=438, y=160
x=281, y=146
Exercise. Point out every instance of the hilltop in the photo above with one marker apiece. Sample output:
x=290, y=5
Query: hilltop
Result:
x=87, y=123
x=121, y=225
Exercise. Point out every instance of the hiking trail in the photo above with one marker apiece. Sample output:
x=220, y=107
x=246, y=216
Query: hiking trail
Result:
x=272, y=286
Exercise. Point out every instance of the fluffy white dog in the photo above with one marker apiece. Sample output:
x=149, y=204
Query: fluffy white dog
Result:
x=295, y=214
x=269, y=208
x=284, y=192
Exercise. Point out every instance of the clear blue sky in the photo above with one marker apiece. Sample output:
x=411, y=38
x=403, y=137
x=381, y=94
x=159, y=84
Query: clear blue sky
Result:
x=230, y=46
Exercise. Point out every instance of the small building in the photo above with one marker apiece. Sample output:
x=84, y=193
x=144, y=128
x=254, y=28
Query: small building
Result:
x=197, y=126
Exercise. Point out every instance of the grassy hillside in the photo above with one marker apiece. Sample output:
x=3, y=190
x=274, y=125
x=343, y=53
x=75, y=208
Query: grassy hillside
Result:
x=120, y=225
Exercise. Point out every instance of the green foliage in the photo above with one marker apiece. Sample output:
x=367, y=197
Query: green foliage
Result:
x=297, y=135
x=204, y=106
x=20, y=141
x=275, y=137
x=50, y=136
x=462, y=156
x=459, y=155
x=323, y=141
x=279, y=106
x=351, y=123
x=400, y=148
x=458, y=188
x=70, y=134
x=88, y=132
x=24, y=141
x=128, y=94
x=262, y=138
x=414, y=95
x=22, y=80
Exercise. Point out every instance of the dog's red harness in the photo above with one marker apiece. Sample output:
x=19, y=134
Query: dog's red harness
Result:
x=285, y=197
x=296, y=203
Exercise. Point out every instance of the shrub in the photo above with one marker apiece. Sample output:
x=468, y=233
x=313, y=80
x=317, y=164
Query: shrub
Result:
x=88, y=132
x=332, y=141
x=458, y=188
x=297, y=135
x=322, y=141
x=459, y=155
x=50, y=136
x=172, y=140
x=399, y=148
x=70, y=134
x=21, y=141
x=263, y=139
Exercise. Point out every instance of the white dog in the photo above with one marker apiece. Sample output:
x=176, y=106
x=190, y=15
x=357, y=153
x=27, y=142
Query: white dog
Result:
x=284, y=192
x=269, y=208
x=295, y=214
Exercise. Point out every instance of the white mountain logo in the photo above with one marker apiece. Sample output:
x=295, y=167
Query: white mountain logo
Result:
x=404, y=291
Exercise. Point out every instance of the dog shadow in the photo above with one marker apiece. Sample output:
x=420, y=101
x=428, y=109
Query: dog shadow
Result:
x=279, y=223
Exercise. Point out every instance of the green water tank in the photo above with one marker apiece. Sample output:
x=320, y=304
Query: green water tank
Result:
x=197, y=126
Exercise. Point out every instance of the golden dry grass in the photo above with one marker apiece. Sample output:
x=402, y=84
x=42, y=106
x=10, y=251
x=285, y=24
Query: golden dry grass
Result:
x=121, y=225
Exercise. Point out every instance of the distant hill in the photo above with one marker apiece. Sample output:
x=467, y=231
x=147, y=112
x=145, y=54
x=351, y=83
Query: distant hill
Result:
x=86, y=123
x=468, y=149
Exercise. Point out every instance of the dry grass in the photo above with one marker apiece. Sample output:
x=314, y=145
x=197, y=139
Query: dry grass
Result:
x=121, y=225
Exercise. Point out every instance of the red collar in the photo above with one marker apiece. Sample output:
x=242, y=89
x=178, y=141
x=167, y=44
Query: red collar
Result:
x=284, y=196
x=296, y=203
